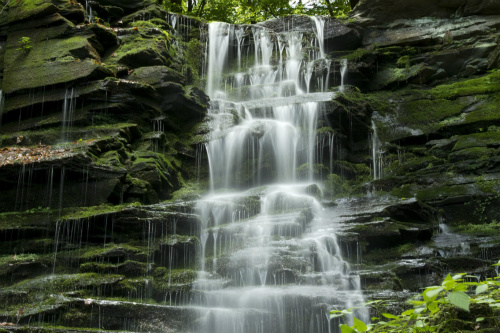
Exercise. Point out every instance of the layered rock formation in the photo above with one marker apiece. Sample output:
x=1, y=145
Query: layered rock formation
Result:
x=102, y=117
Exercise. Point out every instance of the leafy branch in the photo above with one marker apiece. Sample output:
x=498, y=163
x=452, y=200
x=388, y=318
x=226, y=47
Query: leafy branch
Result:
x=431, y=308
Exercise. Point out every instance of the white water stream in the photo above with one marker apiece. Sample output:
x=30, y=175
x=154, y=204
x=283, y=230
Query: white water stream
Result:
x=270, y=260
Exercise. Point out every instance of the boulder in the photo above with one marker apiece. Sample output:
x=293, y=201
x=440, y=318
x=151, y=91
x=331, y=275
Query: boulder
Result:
x=137, y=50
x=157, y=76
x=55, y=55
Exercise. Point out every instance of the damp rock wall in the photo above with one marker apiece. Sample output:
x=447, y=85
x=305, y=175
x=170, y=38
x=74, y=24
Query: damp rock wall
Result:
x=103, y=124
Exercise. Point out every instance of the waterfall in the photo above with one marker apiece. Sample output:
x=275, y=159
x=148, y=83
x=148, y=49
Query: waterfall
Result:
x=218, y=35
x=69, y=106
x=320, y=27
x=268, y=262
x=377, y=162
x=343, y=71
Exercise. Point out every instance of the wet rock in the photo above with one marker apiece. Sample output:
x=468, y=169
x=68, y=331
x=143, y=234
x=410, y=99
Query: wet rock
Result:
x=50, y=61
x=157, y=76
x=24, y=11
x=413, y=212
x=192, y=102
x=386, y=10
x=127, y=5
x=136, y=51
x=146, y=14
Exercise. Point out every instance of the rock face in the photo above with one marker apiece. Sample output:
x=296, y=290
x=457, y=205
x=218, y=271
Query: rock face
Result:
x=62, y=73
x=103, y=118
x=383, y=11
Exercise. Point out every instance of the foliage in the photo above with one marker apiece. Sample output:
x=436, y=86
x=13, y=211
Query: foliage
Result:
x=435, y=307
x=24, y=44
x=252, y=11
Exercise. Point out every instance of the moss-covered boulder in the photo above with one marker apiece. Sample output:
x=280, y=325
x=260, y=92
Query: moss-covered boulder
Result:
x=50, y=57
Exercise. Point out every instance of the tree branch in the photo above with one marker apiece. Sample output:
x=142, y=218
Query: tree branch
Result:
x=6, y=4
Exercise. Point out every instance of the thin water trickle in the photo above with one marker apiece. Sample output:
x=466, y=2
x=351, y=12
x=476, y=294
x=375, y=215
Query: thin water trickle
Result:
x=377, y=161
x=69, y=106
x=269, y=260
x=343, y=72
x=1, y=107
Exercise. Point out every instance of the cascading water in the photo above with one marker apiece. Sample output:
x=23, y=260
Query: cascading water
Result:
x=270, y=260
x=377, y=161
x=343, y=71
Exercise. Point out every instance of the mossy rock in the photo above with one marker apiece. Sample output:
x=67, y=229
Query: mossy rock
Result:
x=156, y=76
x=50, y=61
x=138, y=51
x=29, y=10
x=484, y=139
x=473, y=153
x=392, y=76
x=147, y=13
x=127, y=5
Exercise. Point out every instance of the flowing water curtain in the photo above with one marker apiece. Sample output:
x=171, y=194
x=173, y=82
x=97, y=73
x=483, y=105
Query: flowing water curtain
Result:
x=267, y=261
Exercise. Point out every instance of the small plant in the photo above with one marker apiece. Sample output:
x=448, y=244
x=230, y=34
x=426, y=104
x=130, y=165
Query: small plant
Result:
x=24, y=44
x=432, y=308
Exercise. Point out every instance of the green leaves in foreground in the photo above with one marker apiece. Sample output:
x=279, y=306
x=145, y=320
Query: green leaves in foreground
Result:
x=460, y=299
x=431, y=307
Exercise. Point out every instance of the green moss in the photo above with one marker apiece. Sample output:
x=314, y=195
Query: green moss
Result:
x=317, y=170
x=146, y=24
x=179, y=239
x=325, y=130
x=22, y=257
x=404, y=62
x=393, y=75
x=356, y=55
x=67, y=282
x=426, y=114
x=86, y=212
x=194, y=58
x=137, y=51
x=23, y=10
x=403, y=192
x=473, y=153
x=484, y=85
x=190, y=191
x=486, y=229
x=483, y=139
x=111, y=249
x=442, y=192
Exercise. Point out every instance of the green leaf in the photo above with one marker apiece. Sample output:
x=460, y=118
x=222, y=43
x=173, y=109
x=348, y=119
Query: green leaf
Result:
x=408, y=312
x=458, y=276
x=430, y=294
x=390, y=316
x=448, y=278
x=419, y=310
x=335, y=315
x=433, y=307
x=481, y=288
x=460, y=300
x=359, y=325
x=460, y=287
x=479, y=319
x=346, y=329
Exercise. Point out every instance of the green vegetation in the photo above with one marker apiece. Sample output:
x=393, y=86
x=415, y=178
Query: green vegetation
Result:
x=234, y=11
x=25, y=44
x=458, y=304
